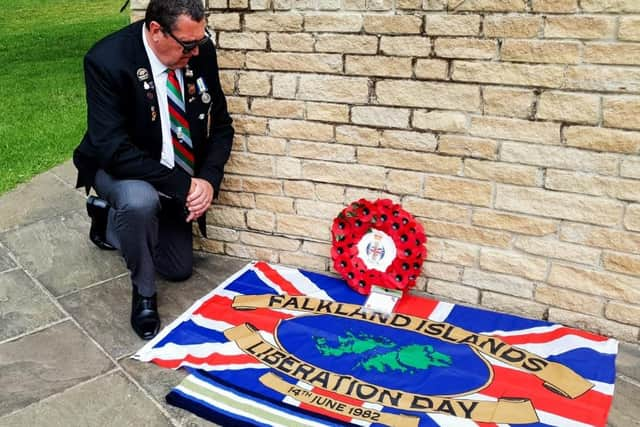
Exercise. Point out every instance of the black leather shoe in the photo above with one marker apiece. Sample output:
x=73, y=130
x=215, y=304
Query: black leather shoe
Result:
x=145, y=319
x=98, y=210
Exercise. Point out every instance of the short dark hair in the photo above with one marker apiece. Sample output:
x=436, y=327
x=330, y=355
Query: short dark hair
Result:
x=166, y=12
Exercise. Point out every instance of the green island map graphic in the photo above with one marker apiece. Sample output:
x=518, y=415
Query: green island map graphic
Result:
x=382, y=354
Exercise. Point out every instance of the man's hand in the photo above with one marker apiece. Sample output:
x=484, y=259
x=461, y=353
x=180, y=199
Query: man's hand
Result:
x=199, y=198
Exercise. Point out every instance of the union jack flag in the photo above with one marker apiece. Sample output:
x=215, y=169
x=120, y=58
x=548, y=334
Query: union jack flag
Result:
x=227, y=383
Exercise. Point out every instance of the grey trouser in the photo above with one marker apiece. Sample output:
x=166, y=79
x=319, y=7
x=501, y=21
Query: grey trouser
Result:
x=149, y=230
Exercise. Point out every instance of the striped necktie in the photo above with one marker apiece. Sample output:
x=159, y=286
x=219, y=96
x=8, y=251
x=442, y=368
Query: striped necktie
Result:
x=180, y=135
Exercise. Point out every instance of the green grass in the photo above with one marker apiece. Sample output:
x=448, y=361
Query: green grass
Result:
x=42, y=104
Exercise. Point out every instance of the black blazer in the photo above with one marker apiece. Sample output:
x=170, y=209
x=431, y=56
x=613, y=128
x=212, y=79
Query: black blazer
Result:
x=124, y=135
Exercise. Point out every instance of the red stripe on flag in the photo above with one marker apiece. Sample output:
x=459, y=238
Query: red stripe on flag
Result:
x=219, y=308
x=187, y=154
x=545, y=337
x=416, y=306
x=336, y=396
x=212, y=359
x=509, y=382
x=277, y=278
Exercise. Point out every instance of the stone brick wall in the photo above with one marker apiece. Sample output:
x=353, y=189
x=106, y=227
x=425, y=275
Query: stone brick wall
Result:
x=510, y=128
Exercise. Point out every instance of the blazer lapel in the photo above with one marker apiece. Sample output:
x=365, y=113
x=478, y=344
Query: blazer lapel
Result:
x=147, y=95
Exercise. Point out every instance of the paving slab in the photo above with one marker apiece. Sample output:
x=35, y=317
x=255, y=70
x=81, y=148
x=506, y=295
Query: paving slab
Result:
x=68, y=173
x=24, y=306
x=625, y=411
x=217, y=268
x=57, y=251
x=42, y=197
x=111, y=400
x=6, y=262
x=628, y=362
x=157, y=382
x=45, y=363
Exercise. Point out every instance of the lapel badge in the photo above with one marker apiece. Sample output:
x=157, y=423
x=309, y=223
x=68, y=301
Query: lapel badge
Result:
x=142, y=74
x=150, y=96
x=146, y=86
x=154, y=115
x=206, y=98
x=191, y=88
x=188, y=72
x=201, y=116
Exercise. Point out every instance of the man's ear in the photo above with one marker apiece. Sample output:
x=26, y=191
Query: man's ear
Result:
x=155, y=30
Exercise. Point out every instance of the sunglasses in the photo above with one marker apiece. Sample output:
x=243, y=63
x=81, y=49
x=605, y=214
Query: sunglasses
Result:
x=190, y=45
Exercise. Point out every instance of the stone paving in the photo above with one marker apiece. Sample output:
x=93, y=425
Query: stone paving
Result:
x=65, y=339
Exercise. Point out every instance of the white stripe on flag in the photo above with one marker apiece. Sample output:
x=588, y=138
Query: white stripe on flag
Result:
x=441, y=312
x=302, y=283
x=568, y=343
x=518, y=332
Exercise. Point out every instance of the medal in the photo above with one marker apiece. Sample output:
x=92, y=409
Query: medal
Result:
x=206, y=98
x=142, y=74
x=202, y=86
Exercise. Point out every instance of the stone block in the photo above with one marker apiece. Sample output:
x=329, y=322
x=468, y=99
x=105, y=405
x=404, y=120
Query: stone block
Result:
x=385, y=66
x=453, y=291
x=408, y=140
x=512, y=26
x=452, y=25
x=301, y=129
x=601, y=139
x=250, y=164
x=505, y=173
x=334, y=89
x=612, y=53
x=284, y=85
x=268, y=241
x=401, y=182
x=298, y=42
x=436, y=210
x=392, y=24
x=441, y=271
x=616, y=188
x=632, y=218
x=489, y=6
x=335, y=23
x=629, y=28
x=278, y=108
x=458, y=190
x=414, y=46
x=448, y=96
x=289, y=61
x=466, y=233
x=305, y=261
x=559, y=157
x=340, y=173
x=308, y=227
x=261, y=220
x=554, y=6
x=299, y=189
x=288, y=167
x=431, y=69
x=521, y=224
x=579, y=27
x=499, y=101
x=602, y=78
x=625, y=313
x=257, y=84
x=544, y=75
x=569, y=107
x=439, y=120
x=318, y=209
x=245, y=40
x=380, y=116
x=466, y=146
x=261, y=185
x=510, y=304
x=322, y=151
x=512, y=263
x=330, y=193
x=249, y=125
x=551, y=247
x=226, y=216
x=569, y=300
x=621, y=112
x=515, y=129
x=356, y=135
x=601, y=237
x=451, y=252
x=425, y=162
x=609, y=285
x=594, y=324
x=242, y=200
x=621, y=263
x=346, y=43
x=273, y=22
x=251, y=252
x=266, y=145
x=611, y=6
x=496, y=282
x=558, y=205
x=325, y=112
x=466, y=48
x=274, y=203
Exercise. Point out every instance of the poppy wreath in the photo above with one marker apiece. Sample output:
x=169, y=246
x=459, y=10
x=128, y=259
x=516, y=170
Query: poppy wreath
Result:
x=377, y=243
